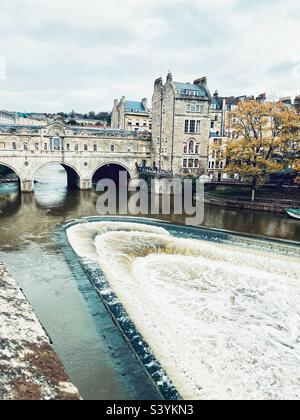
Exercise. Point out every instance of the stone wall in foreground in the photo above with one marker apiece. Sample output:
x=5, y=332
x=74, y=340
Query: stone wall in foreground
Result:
x=29, y=367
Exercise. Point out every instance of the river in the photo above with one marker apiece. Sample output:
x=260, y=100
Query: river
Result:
x=93, y=351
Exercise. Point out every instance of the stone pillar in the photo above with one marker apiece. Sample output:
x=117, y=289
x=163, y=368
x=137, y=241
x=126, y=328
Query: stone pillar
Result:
x=27, y=186
x=85, y=184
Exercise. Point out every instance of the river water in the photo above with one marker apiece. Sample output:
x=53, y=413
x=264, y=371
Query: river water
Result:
x=93, y=351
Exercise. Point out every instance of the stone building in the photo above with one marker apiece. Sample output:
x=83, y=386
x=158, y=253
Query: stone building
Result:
x=21, y=119
x=131, y=115
x=181, y=121
x=217, y=138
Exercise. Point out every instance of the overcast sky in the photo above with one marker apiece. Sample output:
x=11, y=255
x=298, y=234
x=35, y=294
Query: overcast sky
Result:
x=56, y=55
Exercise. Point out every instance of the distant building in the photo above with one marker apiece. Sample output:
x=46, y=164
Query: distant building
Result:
x=23, y=119
x=217, y=138
x=131, y=115
x=7, y=118
x=181, y=122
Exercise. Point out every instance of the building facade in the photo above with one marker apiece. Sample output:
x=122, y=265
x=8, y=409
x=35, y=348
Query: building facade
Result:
x=22, y=119
x=131, y=115
x=181, y=124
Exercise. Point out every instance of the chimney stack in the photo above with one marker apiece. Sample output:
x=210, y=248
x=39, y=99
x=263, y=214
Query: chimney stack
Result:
x=201, y=81
x=145, y=103
x=158, y=82
x=169, y=77
x=262, y=97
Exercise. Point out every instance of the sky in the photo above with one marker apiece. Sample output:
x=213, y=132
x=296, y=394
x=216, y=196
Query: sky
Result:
x=59, y=55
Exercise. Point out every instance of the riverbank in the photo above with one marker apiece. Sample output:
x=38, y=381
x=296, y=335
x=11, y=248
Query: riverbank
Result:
x=29, y=367
x=269, y=206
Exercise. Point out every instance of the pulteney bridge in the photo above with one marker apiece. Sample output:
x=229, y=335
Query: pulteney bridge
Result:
x=86, y=154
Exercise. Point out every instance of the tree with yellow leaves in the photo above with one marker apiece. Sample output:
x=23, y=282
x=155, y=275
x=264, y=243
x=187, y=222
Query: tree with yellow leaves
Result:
x=265, y=140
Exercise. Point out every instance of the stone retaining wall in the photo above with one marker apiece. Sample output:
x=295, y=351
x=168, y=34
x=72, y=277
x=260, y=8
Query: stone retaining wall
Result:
x=29, y=367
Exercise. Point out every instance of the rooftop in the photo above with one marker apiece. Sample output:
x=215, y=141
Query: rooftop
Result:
x=191, y=89
x=135, y=106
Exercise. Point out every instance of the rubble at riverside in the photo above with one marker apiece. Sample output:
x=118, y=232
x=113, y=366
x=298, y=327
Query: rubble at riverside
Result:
x=29, y=367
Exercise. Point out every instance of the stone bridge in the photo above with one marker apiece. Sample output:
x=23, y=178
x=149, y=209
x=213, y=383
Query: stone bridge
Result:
x=85, y=154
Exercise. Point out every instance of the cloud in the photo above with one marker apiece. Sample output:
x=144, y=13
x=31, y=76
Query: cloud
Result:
x=62, y=54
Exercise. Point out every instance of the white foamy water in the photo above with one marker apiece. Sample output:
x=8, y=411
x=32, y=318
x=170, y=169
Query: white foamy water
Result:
x=222, y=320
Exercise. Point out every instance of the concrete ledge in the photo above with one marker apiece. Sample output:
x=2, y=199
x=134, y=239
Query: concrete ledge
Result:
x=248, y=205
x=29, y=367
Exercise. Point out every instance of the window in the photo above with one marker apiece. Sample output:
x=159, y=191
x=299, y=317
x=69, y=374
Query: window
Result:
x=25, y=146
x=45, y=146
x=68, y=147
x=95, y=147
x=185, y=150
x=192, y=146
x=76, y=147
x=86, y=148
x=197, y=149
x=191, y=163
x=195, y=108
x=14, y=146
x=212, y=125
x=112, y=148
x=187, y=124
x=192, y=126
x=196, y=163
x=184, y=163
x=216, y=118
x=36, y=146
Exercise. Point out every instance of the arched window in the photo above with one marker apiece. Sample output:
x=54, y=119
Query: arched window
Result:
x=192, y=146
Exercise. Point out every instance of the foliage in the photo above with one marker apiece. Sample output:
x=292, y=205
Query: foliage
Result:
x=265, y=141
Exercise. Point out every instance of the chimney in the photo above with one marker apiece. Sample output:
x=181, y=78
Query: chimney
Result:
x=145, y=103
x=216, y=94
x=201, y=81
x=262, y=97
x=169, y=77
x=158, y=82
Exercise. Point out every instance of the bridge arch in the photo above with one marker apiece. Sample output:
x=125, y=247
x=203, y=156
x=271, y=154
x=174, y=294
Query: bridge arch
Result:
x=73, y=175
x=110, y=170
x=13, y=169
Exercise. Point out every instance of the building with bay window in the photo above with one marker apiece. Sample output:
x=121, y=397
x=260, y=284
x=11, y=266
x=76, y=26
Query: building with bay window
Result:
x=181, y=126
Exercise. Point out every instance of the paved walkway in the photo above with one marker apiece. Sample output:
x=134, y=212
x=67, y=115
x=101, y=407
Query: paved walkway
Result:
x=29, y=367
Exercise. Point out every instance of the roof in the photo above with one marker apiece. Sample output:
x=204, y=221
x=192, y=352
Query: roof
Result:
x=186, y=88
x=135, y=106
x=218, y=101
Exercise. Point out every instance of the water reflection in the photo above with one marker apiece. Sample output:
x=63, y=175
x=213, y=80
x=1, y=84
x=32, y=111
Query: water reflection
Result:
x=52, y=203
